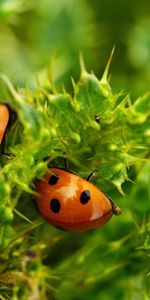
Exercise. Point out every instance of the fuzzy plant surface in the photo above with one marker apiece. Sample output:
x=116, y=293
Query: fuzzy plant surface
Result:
x=95, y=129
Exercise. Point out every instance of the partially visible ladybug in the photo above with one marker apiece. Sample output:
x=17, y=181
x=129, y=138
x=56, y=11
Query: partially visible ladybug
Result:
x=72, y=203
x=7, y=118
x=4, y=120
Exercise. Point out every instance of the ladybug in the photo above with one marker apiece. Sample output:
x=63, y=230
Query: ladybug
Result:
x=72, y=203
x=4, y=120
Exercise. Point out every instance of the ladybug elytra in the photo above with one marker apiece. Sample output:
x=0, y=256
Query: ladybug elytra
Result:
x=4, y=119
x=72, y=203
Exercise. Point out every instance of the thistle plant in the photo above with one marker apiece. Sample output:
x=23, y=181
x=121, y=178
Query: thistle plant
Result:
x=95, y=129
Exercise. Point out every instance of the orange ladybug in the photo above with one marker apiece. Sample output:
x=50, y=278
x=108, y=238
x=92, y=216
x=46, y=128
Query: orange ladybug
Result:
x=72, y=203
x=4, y=119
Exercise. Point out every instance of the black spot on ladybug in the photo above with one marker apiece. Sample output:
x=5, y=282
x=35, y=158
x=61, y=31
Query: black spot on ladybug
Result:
x=53, y=180
x=55, y=205
x=85, y=197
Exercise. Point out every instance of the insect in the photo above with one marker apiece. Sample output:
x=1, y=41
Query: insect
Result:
x=4, y=120
x=72, y=203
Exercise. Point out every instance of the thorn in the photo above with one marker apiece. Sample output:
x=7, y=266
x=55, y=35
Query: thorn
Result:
x=119, y=188
x=63, y=89
x=105, y=74
x=49, y=74
x=73, y=83
x=82, y=65
x=37, y=80
x=22, y=216
x=130, y=180
x=11, y=88
x=122, y=103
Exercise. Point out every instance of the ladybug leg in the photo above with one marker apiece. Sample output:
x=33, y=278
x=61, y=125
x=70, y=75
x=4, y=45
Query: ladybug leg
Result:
x=2, y=148
x=89, y=177
x=12, y=118
x=66, y=163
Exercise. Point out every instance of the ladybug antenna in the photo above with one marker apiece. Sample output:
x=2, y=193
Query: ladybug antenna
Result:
x=89, y=177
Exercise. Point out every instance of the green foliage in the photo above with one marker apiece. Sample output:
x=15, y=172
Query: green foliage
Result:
x=111, y=134
x=32, y=33
x=91, y=125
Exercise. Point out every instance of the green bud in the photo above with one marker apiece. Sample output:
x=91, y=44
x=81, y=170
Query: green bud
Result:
x=6, y=214
x=8, y=231
x=75, y=137
x=94, y=125
x=112, y=147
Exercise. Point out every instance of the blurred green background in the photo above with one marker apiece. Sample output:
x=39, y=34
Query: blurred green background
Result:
x=111, y=263
x=36, y=33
